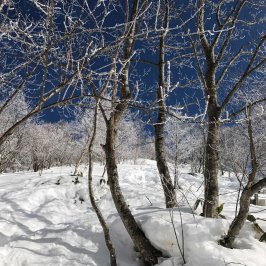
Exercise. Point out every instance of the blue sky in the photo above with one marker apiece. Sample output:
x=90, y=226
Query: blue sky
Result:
x=187, y=95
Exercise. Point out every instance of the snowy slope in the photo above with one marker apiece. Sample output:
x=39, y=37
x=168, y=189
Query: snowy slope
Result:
x=42, y=223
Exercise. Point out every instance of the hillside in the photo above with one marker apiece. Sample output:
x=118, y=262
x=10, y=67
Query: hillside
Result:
x=44, y=221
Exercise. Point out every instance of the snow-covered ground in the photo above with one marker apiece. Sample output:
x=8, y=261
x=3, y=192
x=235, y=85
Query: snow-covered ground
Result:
x=44, y=223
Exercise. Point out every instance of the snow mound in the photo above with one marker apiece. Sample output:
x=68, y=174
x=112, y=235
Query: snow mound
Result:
x=200, y=243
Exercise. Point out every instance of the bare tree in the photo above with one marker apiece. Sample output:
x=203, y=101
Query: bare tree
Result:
x=91, y=194
x=217, y=63
x=134, y=15
x=252, y=186
x=45, y=57
x=167, y=184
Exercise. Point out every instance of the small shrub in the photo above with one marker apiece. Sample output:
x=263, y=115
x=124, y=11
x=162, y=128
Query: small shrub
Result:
x=76, y=181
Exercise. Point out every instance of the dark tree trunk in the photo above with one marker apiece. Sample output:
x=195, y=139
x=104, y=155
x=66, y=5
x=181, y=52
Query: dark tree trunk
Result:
x=211, y=170
x=176, y=177
x=208, y=80
x=212, y=153
x=167, y=184
x=91, y=195
x=249, y=190
x=36, y=164
x=35, y=167
x=239, y=220
x=148, y=253
x=215, y=48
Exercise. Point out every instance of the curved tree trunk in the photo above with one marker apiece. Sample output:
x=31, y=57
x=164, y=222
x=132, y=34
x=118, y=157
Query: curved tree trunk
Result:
x=91, y=195
x=148, y=253
x=249, y=190
x=239, y=220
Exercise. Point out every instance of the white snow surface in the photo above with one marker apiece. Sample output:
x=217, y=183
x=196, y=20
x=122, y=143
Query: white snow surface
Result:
x=42, y=223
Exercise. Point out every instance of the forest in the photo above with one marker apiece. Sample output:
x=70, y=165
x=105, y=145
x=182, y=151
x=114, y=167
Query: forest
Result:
x=133, y=109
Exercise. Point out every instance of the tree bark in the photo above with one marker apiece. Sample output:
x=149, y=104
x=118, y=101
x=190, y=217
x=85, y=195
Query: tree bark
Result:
x=167, y=184
x=211, y=168
x=148, y=253
x=239, y=220
x=215, y=48
x=107, y=237
x=176, y=177
x=249, y=190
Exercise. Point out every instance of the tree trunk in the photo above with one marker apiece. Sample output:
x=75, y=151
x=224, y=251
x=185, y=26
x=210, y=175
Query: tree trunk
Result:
x=211, y=168
x=249, y=190
x=148, y=253
x=36, y=164
x=107, y=237
x=167, y=184
x=168, y=187
x=208, y=80
x=239, y=220
x=81, y=156
x=176, y=174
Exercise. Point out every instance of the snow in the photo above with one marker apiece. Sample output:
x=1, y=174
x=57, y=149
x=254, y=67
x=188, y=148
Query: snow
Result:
x=42, y=223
